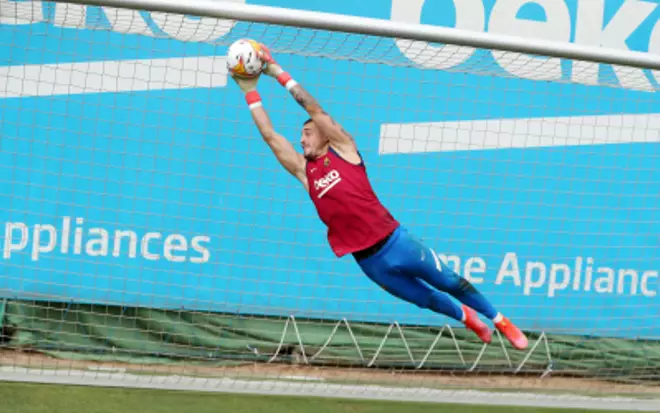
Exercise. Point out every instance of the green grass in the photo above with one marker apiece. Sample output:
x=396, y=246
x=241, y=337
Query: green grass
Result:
x=44, y=398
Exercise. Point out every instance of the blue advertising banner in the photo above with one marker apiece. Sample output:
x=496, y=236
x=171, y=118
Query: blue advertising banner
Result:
x=131, y=174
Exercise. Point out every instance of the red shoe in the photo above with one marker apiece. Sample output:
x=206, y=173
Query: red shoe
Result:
x=512, y=333
x=473, y=323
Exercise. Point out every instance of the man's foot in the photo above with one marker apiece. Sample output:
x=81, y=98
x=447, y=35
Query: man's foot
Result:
x=512, y=333
x=473, y=323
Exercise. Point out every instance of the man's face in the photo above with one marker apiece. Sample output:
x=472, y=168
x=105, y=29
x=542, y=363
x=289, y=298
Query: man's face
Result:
x=313, y=143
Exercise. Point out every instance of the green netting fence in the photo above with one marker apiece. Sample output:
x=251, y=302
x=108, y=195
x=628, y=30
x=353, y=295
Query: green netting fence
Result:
x=154, y=336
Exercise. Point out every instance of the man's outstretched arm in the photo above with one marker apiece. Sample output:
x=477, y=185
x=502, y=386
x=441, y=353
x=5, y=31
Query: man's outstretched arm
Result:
x=338, y=136
x=328, y=125
x=283, y=150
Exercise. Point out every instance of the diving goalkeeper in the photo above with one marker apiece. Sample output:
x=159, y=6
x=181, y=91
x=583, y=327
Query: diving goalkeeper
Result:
x=334, y=174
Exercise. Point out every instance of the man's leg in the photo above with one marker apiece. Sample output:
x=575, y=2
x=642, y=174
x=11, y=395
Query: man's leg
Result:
x=415, y=291
x=437, y=274
x=416, y=259
x=410, y=289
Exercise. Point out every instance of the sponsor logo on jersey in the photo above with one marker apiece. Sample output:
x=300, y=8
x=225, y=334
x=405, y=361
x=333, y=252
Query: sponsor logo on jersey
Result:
x=326, y=183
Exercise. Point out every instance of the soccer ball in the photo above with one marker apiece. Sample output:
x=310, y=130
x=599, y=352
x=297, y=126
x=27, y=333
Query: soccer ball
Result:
x=243, y=58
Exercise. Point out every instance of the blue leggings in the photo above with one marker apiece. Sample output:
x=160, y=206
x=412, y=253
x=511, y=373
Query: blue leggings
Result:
x=409, y=270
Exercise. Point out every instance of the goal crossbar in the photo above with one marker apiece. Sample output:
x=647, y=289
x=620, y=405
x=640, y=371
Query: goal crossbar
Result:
x=385, y=28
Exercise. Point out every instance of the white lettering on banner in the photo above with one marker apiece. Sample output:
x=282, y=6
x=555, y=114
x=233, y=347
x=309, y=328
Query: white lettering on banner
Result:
x=11, y=246
x=20, y=12
x=473, y=265
x=554, y=284
x=554, y=279
x=131, y=22
x=126, y=21
x=534, y=276
x=132, y=243
x=556, y=27
x=95, y=242
x=589, y=30
x=190, y=29
x=97, y=247
x=470, y=15
x=509, y=268
x=70, y=15
x=654, y=47
x=37, y=246
x=145, y=246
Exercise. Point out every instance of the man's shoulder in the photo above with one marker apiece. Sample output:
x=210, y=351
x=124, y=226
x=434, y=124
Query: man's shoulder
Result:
x=353, y=158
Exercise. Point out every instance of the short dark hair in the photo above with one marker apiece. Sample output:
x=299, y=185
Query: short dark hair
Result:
x=308, y=121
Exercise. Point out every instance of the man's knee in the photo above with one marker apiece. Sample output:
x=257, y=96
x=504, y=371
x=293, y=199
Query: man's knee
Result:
x=454, y=282
x=466, y=286
x=434, y=301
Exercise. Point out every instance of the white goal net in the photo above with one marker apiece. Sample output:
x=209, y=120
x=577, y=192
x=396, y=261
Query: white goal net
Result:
x=148, y=228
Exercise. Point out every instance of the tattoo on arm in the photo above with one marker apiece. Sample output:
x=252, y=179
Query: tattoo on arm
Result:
x=303, y=97
x=308, y=102
x=334, y=122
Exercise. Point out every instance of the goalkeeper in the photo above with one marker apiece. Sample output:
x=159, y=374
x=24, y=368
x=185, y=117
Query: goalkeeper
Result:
x=333, y=172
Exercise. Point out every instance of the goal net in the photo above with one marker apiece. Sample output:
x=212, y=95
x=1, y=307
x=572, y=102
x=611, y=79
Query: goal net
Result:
x=148, y=228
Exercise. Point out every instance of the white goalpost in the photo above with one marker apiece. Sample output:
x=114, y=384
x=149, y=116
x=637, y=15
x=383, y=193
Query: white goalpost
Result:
x=150, y=239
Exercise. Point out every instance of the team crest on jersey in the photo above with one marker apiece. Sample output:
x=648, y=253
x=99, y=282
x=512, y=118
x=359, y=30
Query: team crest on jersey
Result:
x=326, y=162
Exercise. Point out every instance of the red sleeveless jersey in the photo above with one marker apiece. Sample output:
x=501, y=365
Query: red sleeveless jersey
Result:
x=347, y=204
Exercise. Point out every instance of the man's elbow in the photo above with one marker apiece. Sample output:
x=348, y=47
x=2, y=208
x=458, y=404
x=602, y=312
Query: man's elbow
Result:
x=314, y=109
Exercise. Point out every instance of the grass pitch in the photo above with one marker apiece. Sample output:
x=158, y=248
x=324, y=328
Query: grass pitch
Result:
x=45, y=398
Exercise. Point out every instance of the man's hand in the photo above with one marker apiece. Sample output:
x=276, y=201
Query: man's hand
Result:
x=272, y=68
x=249, y=88
x=246, y=84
